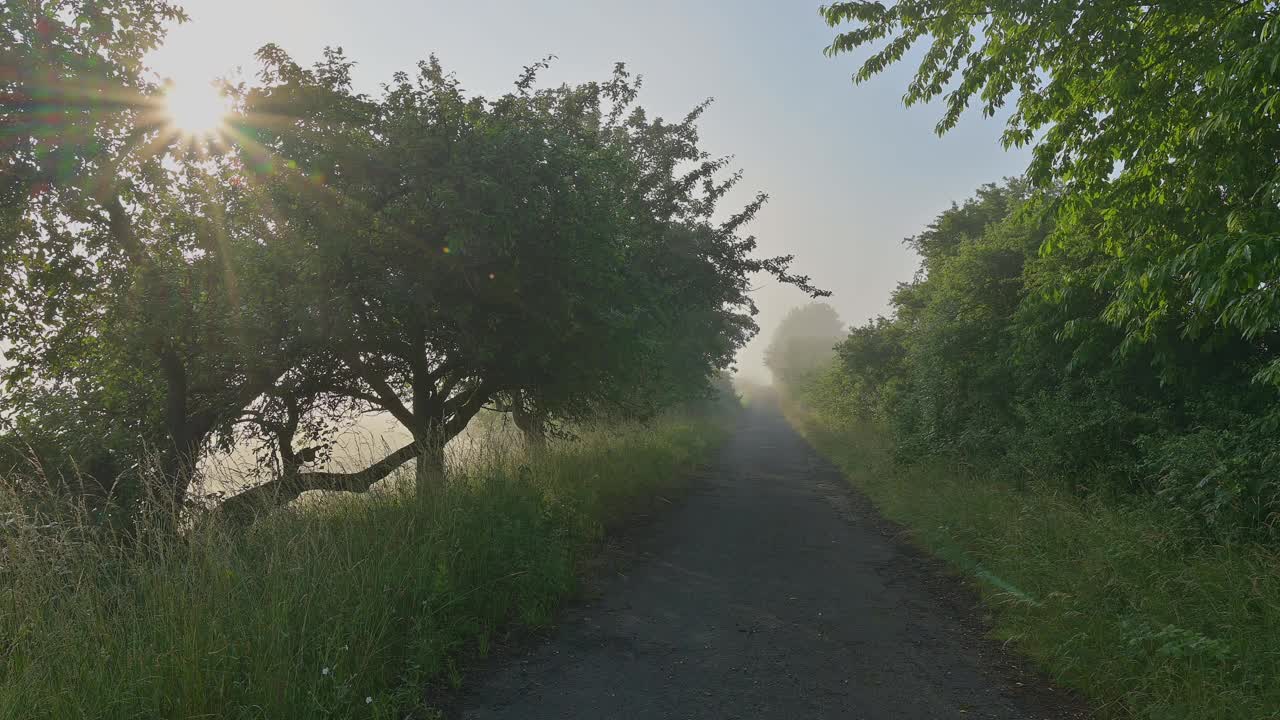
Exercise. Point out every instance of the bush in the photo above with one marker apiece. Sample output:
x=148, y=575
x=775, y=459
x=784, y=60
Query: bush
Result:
x=1222, y=480
x=1082, y=438
x=1002, y=357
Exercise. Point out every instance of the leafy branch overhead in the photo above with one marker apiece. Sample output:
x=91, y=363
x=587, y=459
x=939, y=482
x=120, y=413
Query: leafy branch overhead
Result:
x=1156, y=121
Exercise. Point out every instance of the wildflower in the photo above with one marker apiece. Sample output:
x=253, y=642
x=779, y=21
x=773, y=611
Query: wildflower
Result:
x=368, y=701
x=324, y=671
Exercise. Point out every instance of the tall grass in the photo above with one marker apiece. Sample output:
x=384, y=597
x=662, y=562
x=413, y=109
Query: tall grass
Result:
x=1105, y=596
x=347, y=607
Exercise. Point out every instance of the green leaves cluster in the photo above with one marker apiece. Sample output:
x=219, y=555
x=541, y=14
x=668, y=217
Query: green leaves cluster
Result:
x=997, y=355
x=1155, y=124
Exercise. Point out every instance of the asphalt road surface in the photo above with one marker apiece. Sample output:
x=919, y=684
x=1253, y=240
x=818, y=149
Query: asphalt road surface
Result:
x=771, y=590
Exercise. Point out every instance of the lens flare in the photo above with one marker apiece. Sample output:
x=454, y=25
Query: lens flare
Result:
x=195, y=110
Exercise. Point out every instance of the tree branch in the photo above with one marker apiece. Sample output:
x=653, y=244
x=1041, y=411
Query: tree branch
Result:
x=288, y=487
x=121, y=227
x=461, y=411
x=387, y=397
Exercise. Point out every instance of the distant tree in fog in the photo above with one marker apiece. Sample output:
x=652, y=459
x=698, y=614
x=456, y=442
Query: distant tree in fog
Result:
x=804, y=341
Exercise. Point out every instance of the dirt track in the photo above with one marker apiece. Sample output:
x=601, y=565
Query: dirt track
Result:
x=770, y=591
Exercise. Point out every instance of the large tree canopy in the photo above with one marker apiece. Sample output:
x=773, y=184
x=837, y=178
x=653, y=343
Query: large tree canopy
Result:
x=1158, y=121
x=553, y=250
x=131, y=327
x=423, y=252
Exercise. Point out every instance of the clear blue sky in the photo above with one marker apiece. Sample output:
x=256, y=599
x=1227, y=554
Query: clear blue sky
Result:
x=850, y=170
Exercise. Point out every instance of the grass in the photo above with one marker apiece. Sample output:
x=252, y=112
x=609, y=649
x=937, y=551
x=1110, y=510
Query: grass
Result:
x=1102, y=595
x=347, y=609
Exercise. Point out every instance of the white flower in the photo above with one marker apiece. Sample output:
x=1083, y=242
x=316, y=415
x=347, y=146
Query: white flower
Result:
x=368, y=701
x=325, y=671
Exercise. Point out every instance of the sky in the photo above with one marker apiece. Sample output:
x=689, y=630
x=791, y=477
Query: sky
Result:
x=850, y=170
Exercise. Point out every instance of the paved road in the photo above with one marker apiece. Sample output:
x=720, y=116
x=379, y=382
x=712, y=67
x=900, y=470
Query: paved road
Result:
x=770, y=591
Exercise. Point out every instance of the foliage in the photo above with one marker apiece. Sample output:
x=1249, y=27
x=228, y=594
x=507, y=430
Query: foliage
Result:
x=423, y=252
x=1155, y=124
x=1117, y=505
x=552, y=249
x=139, y=299
x=996, y=356
x=1223, y=474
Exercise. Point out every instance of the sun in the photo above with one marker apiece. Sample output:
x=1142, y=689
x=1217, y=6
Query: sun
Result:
x=195, y=110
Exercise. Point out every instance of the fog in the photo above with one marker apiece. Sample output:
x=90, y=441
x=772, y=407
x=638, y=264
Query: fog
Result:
x=850, y=172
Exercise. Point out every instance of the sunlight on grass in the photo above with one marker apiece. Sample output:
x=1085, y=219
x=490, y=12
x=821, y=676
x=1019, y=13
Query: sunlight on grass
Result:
x=349, y=608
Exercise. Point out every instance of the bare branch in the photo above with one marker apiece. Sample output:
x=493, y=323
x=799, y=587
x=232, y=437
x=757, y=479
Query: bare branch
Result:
x=288, y=487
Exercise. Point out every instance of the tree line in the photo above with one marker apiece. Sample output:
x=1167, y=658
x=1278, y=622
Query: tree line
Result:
x=998, y=356
x=1109, y=321
x=558, y=253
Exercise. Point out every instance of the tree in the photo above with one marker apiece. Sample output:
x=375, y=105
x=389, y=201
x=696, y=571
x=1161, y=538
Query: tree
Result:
x=997, y=354
x=422, y=253
x=100, y=233
x=551, y=248
x=1156, y=121
x=143, y=292
x=802, y=343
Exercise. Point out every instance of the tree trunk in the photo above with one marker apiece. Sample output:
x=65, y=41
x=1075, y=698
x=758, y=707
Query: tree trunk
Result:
x=429, y=467
x=178, y=466
x=177, y=471
x=533, y=426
